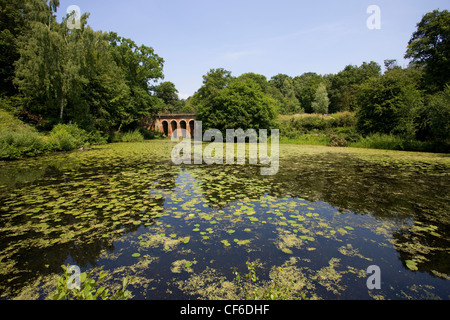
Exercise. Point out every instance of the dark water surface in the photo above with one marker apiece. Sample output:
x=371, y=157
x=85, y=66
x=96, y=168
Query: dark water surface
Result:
x=179, y=231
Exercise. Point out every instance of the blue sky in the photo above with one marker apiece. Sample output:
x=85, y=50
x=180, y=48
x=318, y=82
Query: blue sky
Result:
x=265, y=37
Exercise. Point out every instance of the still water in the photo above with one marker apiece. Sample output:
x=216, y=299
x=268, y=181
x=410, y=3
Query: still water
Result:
x=180, y=231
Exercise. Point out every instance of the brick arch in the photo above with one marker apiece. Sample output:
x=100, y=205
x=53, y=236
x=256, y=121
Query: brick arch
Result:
x=173, y=127
x=191, y=127
x=165, y=127
x=183, y=125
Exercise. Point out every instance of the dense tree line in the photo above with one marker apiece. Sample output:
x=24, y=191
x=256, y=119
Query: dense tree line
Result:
x=411, y=103
x=51, y=74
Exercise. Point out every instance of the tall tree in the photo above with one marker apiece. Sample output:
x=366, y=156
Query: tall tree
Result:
x=281, y=88
x=167, y=92
x=12, y=23
x=389, y=104
x=429, y=47
x=98, y=80
x=47, y=70
x=305, y=89
x=260, y=79
x=105, y=99
x=242, y=104
x=213, y=83
x=344, y=85
x=321, y=100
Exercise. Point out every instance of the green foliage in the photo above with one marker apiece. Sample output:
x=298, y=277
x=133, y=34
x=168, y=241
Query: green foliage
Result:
x=254, y=290
x=99, y=80
x=89, y=288
x=315, y=123
x=321, y=101
x=10, y=123
x=345, y=85
x=335, y=130
x=68, y=137
x=18, y=139
x=344, y=119
x=242, y=105
x=380, y=141
x=150, y=134
x=95, y=137
x=282, y=89
x=429, y=48
x=103, y=82
x=309, y=124
x=305, y=138
x=438, y=114
x=16, y=144
x=389, y=104
x=132, y=136
x=257, y=78
x=337, y=140
x=167, y=92
x=213, y=83
x=305, y=89
x=395, y=142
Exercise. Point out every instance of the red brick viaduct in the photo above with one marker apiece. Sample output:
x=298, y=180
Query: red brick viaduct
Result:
x=169, y=123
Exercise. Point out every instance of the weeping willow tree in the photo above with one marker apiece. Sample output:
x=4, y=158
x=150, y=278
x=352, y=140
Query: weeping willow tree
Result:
x=98, y=80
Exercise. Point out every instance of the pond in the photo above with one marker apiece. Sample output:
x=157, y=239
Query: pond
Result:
x=180, y=231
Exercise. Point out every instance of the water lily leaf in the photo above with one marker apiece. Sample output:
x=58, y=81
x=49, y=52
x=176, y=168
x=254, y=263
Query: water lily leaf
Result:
x=412, y=265
x=135, y=255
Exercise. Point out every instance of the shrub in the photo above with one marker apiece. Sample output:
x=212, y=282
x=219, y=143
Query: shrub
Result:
x=132, y=136
x=380, y=141
x=350, y=134
x=150, y=134
x=311, y=123
x=68, y=137
x=336, y=141
x=15, y=144
x=438, y=112
x=345, y=119
x=96, y=138
x=311, y=139
x=10, y=123
x=18, y=139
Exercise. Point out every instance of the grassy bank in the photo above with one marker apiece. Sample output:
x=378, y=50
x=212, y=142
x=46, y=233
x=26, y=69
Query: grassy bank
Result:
x=18, y=140
x=339, y=130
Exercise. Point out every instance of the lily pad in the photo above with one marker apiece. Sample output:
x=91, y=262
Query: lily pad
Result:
x=411, y=265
